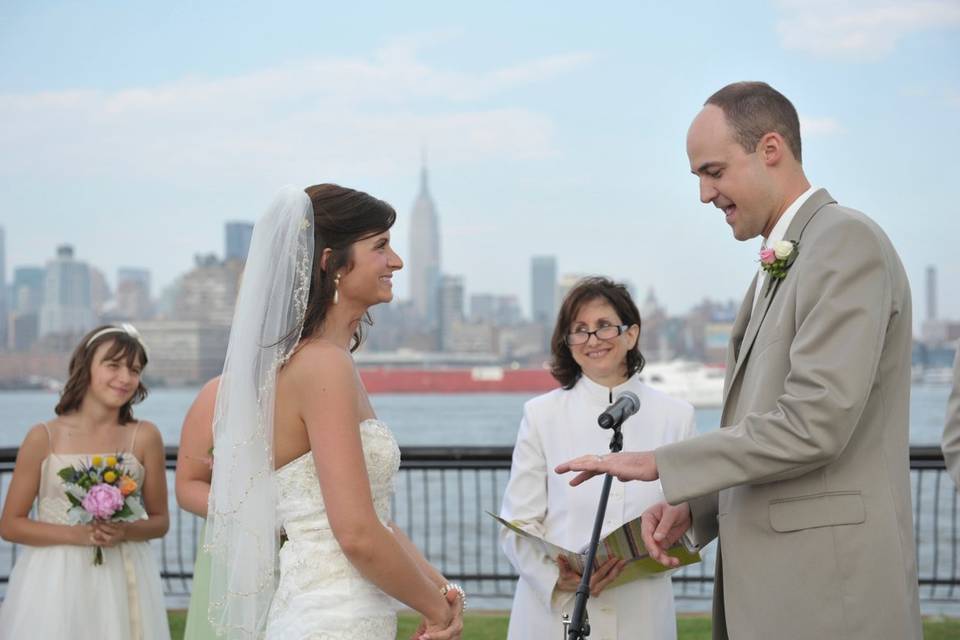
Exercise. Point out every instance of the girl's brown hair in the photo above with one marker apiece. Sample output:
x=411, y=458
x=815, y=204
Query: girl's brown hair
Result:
x=125, y=347
x=562, y=366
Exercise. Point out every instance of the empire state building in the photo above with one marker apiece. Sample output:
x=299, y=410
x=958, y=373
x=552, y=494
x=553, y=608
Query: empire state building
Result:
x=424, y=253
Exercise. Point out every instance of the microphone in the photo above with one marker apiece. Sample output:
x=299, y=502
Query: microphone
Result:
x=626, y=404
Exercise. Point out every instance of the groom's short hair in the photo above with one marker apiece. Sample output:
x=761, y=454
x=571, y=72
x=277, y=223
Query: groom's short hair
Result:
x=754, y=109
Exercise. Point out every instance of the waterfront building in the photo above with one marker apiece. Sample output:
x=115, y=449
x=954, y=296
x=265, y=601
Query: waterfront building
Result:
x=184, y=352
x=5, y=305
x=133, y=293
x=100, y=293
x=28, y=285
x=497, y=310
x=67, y=304
x=237, y=237
x=543, y=289
x=450, y=308
x=208, y=292
x=566, y=282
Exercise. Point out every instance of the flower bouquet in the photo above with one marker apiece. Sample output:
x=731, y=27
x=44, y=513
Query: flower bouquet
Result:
x=102, y=491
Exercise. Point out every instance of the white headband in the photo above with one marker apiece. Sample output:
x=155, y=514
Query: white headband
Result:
x=125, y=327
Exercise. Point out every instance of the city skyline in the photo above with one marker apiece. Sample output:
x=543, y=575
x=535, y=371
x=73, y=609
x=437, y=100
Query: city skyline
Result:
x=565, y=139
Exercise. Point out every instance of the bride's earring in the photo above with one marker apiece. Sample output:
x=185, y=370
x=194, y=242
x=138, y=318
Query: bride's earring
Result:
x=336, y=289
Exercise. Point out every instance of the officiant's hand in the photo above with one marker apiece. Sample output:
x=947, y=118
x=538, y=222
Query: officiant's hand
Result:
x=604, y=574
x=661, y=526
x=627, y=465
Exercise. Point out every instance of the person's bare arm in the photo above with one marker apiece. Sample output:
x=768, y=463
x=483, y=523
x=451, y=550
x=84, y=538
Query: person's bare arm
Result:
x=325, y=387
x=194, y=458
x=15, y=522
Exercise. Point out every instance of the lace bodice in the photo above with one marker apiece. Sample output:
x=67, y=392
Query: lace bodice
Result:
x=300, y=507
x=321, y=595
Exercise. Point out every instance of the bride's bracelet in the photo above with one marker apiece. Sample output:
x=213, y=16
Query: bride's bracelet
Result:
x=453, y=586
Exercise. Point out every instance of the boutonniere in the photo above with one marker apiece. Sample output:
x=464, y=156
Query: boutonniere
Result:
x=775, y=261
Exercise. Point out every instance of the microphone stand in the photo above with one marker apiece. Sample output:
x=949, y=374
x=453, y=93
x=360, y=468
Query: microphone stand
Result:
x=578, y=627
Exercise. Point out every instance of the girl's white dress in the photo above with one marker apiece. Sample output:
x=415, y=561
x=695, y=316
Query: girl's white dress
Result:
x=57, y=591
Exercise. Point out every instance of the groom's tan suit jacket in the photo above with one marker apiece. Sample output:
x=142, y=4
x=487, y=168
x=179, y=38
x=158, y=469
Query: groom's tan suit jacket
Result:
x=807, y=484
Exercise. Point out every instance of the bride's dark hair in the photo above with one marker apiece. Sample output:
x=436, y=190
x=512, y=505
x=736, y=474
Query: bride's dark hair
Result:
x=341, y=217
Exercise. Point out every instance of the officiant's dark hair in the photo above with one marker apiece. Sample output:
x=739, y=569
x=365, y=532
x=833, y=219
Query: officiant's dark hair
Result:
x=754, y=109
x=341, y=217
x=562, y=365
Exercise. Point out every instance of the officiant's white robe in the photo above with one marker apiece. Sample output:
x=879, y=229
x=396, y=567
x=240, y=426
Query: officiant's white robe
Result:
x=558, y=426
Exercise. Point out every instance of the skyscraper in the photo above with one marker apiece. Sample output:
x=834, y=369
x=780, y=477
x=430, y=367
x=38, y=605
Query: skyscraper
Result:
x=543, y=289
x=133, y=293
x=424, y=253
x=237, y=237
x=28, y=289
x=931, y=293
x=23, y=321
x=67, y=307
x=4, y=305
x=450, y=307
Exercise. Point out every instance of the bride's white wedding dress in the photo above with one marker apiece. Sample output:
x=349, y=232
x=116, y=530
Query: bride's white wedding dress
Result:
x=321, y=595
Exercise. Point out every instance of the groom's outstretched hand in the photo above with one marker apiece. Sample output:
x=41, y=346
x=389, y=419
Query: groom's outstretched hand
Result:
x=661, y=526
x=627, y=465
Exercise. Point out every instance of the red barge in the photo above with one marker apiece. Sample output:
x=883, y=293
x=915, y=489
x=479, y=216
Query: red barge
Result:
x=488, y=379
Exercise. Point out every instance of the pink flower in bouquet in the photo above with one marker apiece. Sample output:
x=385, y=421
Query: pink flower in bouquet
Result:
x=102, y=501
x=768, y=256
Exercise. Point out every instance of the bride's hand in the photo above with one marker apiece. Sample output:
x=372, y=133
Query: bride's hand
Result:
x=449, y=629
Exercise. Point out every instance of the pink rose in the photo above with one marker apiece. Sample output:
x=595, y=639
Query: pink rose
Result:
x=768, y=256
x=102, y=501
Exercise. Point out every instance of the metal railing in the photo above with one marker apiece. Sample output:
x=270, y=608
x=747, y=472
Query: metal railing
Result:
x=442, y=494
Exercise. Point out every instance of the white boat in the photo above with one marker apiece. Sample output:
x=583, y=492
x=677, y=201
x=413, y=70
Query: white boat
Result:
x=695, y=382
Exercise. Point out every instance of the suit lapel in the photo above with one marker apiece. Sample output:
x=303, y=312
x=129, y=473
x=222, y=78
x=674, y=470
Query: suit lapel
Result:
x=814, y=203
x=737, y=333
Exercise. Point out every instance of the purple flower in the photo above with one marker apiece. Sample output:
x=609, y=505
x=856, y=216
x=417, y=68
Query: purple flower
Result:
x=102, y=501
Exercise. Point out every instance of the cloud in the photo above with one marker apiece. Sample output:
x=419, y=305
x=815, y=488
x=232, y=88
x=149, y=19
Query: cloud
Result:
x=820, y=126
x=859, y=29
x=319, y=116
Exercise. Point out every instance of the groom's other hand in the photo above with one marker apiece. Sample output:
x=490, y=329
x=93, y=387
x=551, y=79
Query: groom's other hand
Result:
x=661, y=526
x=624, y=466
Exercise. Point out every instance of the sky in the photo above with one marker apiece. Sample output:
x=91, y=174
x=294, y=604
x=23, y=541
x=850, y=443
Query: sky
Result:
x=134, y=130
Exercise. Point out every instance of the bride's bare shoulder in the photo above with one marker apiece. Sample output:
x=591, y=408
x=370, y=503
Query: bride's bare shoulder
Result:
x=319, y=360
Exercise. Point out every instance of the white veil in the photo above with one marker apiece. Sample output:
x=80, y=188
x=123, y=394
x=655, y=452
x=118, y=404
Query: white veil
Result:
x=242, y=532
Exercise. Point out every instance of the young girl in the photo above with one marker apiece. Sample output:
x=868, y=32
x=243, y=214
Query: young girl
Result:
x=56, y=590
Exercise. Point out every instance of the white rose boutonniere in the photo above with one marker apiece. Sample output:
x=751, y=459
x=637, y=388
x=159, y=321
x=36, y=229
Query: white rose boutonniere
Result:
x=777, y=260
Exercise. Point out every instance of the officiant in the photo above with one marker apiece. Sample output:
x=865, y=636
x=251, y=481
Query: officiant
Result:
x=595, y=355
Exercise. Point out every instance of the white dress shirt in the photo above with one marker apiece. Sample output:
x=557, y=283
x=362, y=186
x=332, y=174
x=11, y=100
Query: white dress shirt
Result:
x=777, y=233
x=556, y=427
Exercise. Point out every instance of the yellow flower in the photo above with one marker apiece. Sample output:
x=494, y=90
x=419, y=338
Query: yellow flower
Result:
x=111, y=461
x=127, y=486
x=110, y=477
x=96, y=461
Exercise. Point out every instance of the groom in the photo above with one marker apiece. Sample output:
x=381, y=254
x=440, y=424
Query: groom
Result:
x=807, y=482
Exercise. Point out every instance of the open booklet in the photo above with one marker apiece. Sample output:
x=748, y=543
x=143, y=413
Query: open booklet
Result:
x=624, y=542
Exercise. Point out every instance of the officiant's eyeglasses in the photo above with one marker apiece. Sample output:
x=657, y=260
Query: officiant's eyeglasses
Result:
x=603, y=333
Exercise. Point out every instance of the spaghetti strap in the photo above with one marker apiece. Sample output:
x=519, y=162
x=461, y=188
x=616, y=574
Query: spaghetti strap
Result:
x=46, y=428
x=133, y=438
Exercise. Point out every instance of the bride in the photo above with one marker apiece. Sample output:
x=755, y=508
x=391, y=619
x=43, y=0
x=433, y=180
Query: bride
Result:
x=298, y=446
